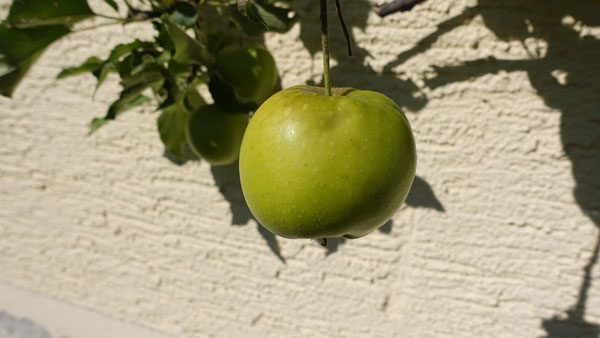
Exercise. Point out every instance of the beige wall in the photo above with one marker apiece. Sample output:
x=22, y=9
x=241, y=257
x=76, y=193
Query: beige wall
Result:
x=493, y=242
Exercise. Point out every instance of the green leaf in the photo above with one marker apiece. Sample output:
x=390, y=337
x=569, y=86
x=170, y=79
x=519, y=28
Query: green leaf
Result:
x=168, y=93
x=123, y=49
x=259, y=16
x=274, y=18
x=125, y=102
x=134, y=102
x=243, y=22
x=143, y=68
x=179, y=70
x=20, y=48
x=193, y=100
x=101, y=72
x=224, y=96
x=113, y=63
x=149, y=73
x=131, y=92
x=187, y=49
x=127, y=65
x=112, y=4
x=129, y=98
x=26, y=13
x=88, y=65
x=163, y=57
x=163, y=39
x=184, y=14
x=171, y=127
x=96, y=123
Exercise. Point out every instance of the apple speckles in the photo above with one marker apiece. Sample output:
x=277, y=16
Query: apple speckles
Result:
x=290, y=131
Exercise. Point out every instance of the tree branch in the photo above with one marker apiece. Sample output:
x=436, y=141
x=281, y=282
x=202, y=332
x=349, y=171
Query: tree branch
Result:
x=396, y=6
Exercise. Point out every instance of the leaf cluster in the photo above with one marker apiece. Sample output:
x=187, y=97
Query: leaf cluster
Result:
x=167, y=70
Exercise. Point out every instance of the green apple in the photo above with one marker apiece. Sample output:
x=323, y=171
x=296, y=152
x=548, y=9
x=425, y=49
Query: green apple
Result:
x=216, y=135
x=251, y=71
x=318, y=166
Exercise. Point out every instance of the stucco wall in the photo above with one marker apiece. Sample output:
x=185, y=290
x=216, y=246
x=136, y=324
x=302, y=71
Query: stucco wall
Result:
x=497, y=238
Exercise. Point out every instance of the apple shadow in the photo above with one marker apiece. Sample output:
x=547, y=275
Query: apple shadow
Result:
x=333, y=244
x=227, y=179
x=564, y=71
x=420, y=196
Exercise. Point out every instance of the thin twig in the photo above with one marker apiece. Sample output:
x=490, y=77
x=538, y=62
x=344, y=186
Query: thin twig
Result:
x=109, y=17
x=98, y=26
x=338, y=9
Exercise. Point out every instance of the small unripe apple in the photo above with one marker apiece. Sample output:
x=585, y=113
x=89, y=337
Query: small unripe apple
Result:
x=318, y=166
x=251, y=71
x=216, y=135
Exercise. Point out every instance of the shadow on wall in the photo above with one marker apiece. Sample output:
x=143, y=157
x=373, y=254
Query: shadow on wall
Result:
x=353, y=71
x=227, y=179
x=567, y=78
x=420, y=196
x=12, y=327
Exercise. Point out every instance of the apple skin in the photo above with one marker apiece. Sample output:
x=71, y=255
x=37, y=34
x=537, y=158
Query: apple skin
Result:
x=251, y=71
x=216, y=135
x=317, y=166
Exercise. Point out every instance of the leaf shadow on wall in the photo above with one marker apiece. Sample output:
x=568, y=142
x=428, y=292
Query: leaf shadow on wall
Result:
x=567, y=77
x=353, y=71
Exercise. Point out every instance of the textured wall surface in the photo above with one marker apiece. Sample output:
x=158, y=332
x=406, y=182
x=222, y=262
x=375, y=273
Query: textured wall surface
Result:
x=498, y=237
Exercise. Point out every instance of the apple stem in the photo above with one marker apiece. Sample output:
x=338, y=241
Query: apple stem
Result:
x=325, y=46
